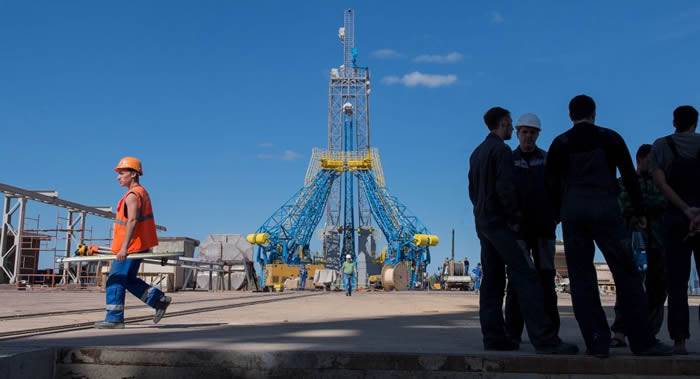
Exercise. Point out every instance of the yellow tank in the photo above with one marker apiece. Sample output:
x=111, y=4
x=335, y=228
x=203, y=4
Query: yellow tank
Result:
x=364, y=164
x=425, y=240
x=257, y=238
x=334, y=164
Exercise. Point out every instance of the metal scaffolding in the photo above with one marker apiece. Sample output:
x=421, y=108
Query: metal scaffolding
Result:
x=14, y=231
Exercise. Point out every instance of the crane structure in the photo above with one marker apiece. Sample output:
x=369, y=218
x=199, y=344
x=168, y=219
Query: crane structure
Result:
x=346, y=183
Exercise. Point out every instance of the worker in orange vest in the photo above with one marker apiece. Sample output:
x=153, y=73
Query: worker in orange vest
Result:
x=134, y=232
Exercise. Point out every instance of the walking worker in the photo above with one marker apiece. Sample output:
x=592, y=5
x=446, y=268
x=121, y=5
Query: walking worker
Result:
x=654, y=274
x=134, y=232
x=498, y=219
x=581, y=174
x=537, y=231
x=303, y=273
x=675, y=165
x=349, y=272
x=477, y=277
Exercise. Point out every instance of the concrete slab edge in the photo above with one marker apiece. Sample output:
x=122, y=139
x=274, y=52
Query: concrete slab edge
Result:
x=277, y=361
x=28, y=363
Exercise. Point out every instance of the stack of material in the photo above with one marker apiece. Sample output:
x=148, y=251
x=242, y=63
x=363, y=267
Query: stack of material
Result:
x=325, y=278
x=169, y=278
x=291, y=284
x=235, y=254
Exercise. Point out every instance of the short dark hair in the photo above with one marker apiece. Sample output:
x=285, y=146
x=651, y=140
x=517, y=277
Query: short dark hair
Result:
x=643, y=151
x=493, y=117
x=685, y=117
x=581, y=107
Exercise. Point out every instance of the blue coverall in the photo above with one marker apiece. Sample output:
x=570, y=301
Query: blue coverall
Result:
x=122, y=277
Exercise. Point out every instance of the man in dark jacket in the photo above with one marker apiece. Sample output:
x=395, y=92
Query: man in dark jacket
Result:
x=655, y=273
x=581, y=177
x=498, y=218
x=538, y=225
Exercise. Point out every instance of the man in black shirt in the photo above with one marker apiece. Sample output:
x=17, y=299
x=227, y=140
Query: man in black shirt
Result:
x=538, y=225
x=497, y=216
x=581, y=176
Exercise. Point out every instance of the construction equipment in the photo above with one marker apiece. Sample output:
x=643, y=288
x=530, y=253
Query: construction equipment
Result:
x=112, y=257
x=277, y=273
x=84, y=250
x=395, y=277
x=455, y=276
x=346, y=180
x=375, y=281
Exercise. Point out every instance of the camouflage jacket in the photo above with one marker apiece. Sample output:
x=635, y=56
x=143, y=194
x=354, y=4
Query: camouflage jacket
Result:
x=654, y=206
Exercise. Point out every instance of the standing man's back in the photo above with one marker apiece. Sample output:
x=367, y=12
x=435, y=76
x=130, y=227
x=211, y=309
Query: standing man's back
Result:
x=581, y=174
x=675, y=165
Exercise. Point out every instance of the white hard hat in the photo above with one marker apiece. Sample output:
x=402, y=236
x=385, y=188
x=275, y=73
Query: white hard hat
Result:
x=529, y=119
x=348, y=256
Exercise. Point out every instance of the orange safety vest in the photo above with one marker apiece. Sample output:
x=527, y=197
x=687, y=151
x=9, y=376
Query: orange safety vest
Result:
x=144, y=236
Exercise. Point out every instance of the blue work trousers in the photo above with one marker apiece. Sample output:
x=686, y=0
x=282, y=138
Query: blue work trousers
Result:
x=122, y=277
x=347, y=281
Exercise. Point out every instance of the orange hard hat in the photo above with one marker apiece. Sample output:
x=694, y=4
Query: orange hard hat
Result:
x=129, y=163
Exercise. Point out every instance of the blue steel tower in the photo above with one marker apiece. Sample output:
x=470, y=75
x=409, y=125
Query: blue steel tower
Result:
x=349, y=84
x=348, y=187
x=285, y=236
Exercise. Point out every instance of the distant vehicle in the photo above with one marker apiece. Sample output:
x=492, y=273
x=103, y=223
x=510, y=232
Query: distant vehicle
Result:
x=455, y=277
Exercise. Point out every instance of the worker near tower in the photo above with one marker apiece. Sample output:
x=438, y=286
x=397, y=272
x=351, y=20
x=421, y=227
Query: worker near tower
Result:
x=537, y=231
x=134, y=232
x=581, y=177
x=498, y=219
x=477, y=277
x=349, y=272
x=654, y=274
x=675, y=166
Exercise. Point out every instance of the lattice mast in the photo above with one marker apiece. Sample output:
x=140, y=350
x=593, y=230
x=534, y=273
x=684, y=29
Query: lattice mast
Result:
x=349, y=84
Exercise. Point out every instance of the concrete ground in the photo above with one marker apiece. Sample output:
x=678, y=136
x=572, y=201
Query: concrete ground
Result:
x=402, y=333
x=417, y=322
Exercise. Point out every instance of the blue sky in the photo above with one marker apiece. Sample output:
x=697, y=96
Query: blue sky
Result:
x=224, y=100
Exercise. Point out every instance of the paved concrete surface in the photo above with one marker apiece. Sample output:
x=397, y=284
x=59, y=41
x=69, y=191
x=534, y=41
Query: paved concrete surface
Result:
x=433, y=322
x=410, y=324
x=16, y=303
x=89, y=306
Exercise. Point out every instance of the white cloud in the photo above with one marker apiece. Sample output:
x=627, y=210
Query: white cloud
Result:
x=290, y=155
x=391, y=79
x=385, y=54
x=497, y=17
x=265, y=156
x=416, y=79
x=265, y=144
x=451, y=57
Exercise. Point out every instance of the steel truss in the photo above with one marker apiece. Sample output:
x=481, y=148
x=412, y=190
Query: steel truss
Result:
x=13, y=228
x=285, y=236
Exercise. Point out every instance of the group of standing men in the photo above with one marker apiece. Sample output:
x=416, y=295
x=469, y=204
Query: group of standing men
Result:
x=520, y=196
